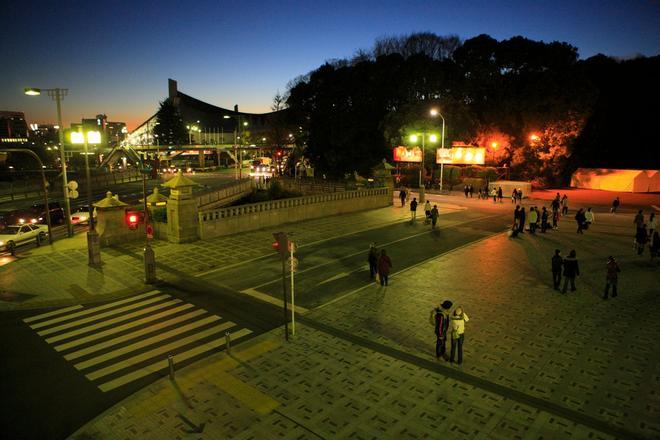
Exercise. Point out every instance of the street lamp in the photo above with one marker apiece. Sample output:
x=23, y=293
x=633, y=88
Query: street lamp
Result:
x=435, y=112
x=93, y=243
x=422, y=171
x=57, y=95
x=239, y=162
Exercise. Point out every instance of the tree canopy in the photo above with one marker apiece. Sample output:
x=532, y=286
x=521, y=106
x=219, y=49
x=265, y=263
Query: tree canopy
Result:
x=170, y=128
x=353, y=111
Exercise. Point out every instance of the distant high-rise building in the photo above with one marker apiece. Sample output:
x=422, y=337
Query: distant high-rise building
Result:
x=13, y=128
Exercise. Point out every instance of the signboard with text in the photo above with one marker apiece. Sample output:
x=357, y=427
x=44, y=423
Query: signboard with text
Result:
x=404, y=154
x=461, y=156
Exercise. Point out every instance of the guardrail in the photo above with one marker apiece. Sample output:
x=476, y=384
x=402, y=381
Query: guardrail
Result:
x=252, y=208
x=226, y=194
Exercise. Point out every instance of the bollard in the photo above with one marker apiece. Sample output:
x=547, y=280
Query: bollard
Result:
x=228, y=342
x=170, y=361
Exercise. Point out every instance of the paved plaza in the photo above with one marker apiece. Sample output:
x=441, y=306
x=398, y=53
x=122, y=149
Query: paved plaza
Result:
x=538, y=364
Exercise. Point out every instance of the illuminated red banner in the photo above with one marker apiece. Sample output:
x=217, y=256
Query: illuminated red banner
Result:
x=404, y=154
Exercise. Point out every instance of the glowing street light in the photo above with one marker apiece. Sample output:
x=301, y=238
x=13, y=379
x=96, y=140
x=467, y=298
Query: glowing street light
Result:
x=435, y=112
x=57, y=95
x=422, y=171
x=93, y=243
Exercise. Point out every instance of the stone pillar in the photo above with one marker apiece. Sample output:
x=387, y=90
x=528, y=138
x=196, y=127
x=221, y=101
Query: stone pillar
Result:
x=182, y=219
x=202, y=162
x=110, y=224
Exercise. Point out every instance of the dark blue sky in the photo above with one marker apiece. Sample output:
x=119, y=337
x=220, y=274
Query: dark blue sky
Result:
x=116, y=56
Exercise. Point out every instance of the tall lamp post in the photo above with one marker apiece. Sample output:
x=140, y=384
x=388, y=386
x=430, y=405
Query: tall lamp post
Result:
x=435, y=112
x=57, y=95
x=422, y=170
x=93, y=243
x=239, y=162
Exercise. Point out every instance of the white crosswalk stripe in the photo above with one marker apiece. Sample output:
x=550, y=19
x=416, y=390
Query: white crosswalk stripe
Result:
x=125, y=340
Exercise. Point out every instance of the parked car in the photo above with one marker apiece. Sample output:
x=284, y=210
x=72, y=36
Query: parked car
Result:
x=13, y=236
x=81, y=216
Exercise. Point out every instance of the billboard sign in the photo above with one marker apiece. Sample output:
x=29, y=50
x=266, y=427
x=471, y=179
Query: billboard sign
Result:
x=404, y=154
x=461, y=156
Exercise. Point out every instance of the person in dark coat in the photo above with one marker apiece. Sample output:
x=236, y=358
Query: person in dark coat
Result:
x=441, y=326
x=571, y=270
x=413, y=210
x=580, y=218
x=611, y=277
x=615, y=205
x=500, y=194
x=521, y=223
x=402, y=196
x=557, y=262
x=434, y=216
x=384, y=266
x=373, y=260
x=641, y=237
x=544, y=220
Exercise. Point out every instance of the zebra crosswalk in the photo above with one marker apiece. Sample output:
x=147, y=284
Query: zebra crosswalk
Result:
x=125, y=340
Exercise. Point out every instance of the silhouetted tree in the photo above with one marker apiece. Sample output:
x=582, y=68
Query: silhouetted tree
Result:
x=170, y=127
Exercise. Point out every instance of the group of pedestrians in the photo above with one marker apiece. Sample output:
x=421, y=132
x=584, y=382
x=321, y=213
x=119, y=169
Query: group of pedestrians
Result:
x=448, y=323
x=431, y=213
x=516, y=195
x=571, y=269
x=468, y=190
x=380, y=265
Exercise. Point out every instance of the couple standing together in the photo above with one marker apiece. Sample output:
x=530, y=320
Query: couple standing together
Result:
x=453, y=324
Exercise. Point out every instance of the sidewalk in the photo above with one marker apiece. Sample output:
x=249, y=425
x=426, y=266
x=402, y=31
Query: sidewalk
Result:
x=538, y=364
x=57, y=274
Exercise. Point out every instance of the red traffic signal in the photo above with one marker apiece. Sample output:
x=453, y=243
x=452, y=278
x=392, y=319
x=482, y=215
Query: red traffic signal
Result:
x=281, y=244
x=133, y=219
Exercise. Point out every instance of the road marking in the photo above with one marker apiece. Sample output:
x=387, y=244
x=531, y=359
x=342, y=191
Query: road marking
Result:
x=92, y=318
x=403, y=219
x=352, y=292
x=92, y=310
x=270, y=299
x=145, y=331
x=106, y=323
x=143, y=343
x=339, y=276
x=53, y=313
x=160, y=365
x=159, y=351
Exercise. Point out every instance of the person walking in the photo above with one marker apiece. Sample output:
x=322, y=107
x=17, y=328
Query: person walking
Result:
x=471, y=190
x=639, y=219
x=519, y=194
x=641, y=237
x=434, y=216
x=571, y=270
x=588, y=218
x=533, y=217
x=544, y=220
x=427, y=212
x=457, y=323
x=372, y=258
x=493, y=194
x=413, y=210
x=500, y=194
x=466, y=190
x=402, y=196
x=579, y=218
x=615, y=205
x=611, y=276
x=564, y=205
x=384, y=266
x=557, y=262
x=654, y=249
x=440, y=319
x=555, y=219
x=652, y=224
x=514, y=196
x=555, y=204
x=521, y=222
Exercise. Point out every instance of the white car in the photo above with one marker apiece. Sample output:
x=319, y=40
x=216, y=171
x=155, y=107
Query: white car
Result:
x=81, y=215
x=13, y=236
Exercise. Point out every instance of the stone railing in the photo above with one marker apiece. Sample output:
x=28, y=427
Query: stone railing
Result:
x=309, y=185
x=225, y=221
x=225, y=195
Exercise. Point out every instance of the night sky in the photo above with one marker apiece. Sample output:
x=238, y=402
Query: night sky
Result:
x=115, y=56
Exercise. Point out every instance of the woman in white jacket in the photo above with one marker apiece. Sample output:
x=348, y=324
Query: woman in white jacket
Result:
x=457, y=326
x=588, y=218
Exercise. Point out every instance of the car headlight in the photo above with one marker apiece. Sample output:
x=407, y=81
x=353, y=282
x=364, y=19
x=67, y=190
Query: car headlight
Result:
x=21, y=220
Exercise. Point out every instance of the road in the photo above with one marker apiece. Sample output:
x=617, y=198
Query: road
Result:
x=98, y=354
